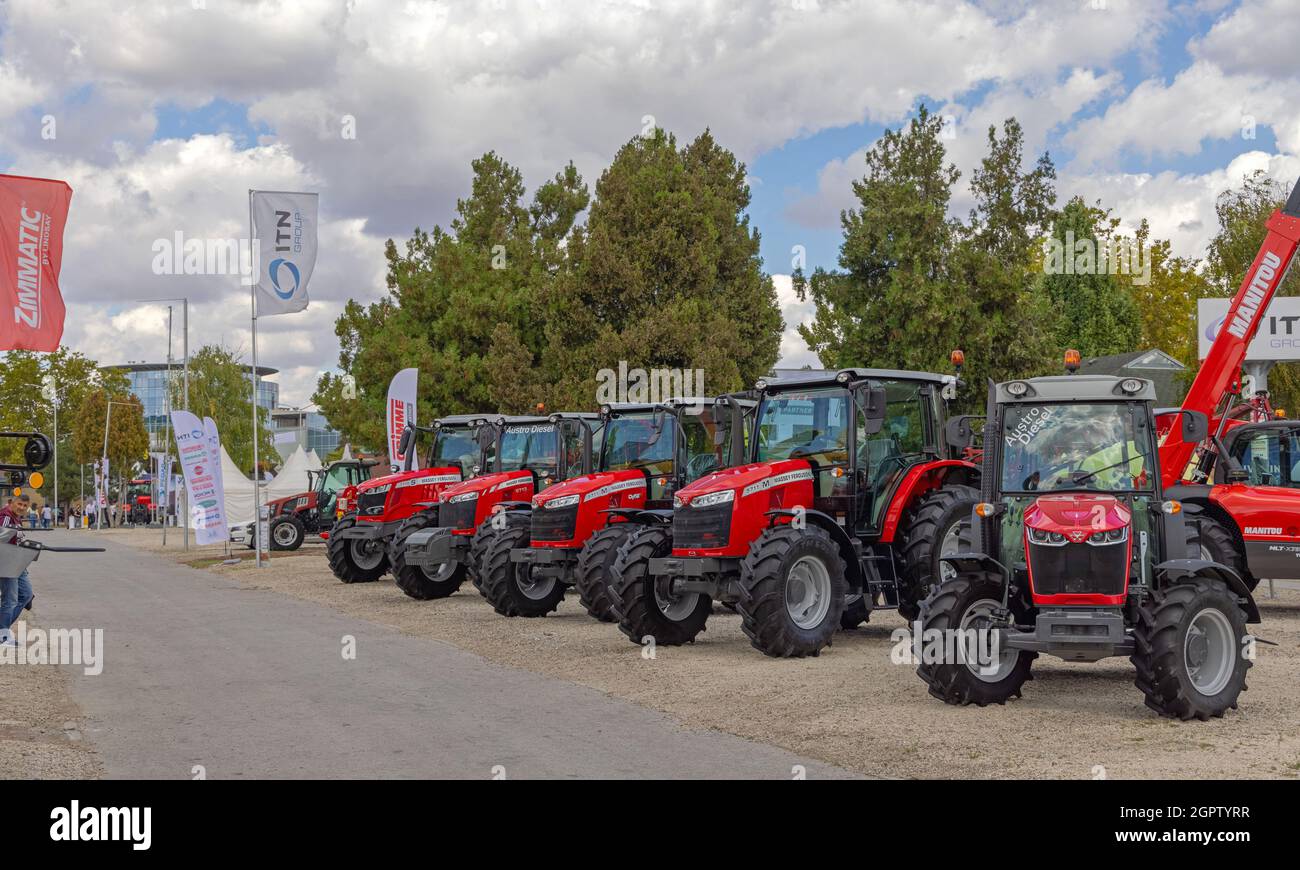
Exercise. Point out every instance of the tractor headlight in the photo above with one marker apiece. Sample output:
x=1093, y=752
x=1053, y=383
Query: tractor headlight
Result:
x=678, y=502
x=1112, y=536
x=713, y=498
x=1130, y=385
x=1044, y=538
x=561, y=502
x=464, y=496
x=1017, y=388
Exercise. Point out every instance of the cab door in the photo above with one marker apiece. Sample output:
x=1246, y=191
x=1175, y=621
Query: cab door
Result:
x=1266, y=505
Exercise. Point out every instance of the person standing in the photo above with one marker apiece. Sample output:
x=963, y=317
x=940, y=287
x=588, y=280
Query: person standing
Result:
x=47, y=516
x=15, y=592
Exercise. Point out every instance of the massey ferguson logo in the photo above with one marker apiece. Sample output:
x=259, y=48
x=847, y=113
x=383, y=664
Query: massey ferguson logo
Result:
x=1244, y=317
x=777, y=480
x=33, y=239
x=1077, y=536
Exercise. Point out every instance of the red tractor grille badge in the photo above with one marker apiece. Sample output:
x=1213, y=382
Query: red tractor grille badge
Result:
x=1078, y=536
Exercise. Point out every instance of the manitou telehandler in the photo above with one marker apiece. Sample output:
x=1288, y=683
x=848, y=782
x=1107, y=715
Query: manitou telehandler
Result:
x=294, y=517
x=1077, y=550
x=371, y=511
x=570, y=534
x=433, y=551
x=851, y=495
x=1248, y=510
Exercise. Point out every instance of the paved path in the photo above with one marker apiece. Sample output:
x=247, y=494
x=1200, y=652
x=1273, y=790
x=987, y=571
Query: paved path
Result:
x=249, y=683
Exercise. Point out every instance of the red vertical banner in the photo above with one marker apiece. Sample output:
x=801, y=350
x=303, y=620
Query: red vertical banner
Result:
x=33, y=212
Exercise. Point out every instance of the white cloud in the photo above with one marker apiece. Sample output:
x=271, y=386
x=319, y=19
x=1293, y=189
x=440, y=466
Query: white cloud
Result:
x=794, y=350
x=1259, y=37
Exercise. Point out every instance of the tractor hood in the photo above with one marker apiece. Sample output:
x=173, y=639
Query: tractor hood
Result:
x=404, y=479
x=1077, y=515
x=486, y=483
x=618, y=486
x=749, y=479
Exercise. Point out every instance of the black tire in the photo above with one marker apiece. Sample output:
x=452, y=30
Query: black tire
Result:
x=414, y=580
x=505, y=584
x=1164, y=661
x=340, y=553
x=922, y=531
x=1209, y=538
x=765, y=616
x=284, y=524
x=595, y=569
x=857, y=611
x=955, y=682
x=642, y=614
x=478, y=544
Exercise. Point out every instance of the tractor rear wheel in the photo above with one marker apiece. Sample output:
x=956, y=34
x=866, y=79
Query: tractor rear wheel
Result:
x=1189, y=649
x=595, y=563
x=355, y=560
x=962, y=603
x=792, y=591
x=929, y=532
x=422, y=584
x=287, y=533
x=510, y=586
x=1209, y=539
x=643, y=603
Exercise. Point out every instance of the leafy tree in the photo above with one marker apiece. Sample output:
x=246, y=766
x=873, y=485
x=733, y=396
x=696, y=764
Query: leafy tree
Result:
x=1242, y=214
x=1167, y=301
x=128, y=439
x=449, y=294
x=220, y=388
x=1096, y=314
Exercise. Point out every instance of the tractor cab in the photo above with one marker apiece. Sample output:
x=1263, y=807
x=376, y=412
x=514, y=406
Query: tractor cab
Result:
x=1075, y=550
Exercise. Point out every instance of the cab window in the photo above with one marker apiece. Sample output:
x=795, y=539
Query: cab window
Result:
x=812, y=425
x=1270, y=458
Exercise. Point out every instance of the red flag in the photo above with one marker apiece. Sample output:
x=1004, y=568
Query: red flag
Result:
x=33, y=212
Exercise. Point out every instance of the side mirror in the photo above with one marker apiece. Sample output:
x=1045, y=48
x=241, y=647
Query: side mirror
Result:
x=1196, y=427
x=657, y=424
x=872, y=402
x=958, y=433
x=486, y=435
x=404, y=445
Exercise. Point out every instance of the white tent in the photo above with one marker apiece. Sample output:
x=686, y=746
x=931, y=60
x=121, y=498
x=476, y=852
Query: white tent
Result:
x=292, y=478
x=313, y=461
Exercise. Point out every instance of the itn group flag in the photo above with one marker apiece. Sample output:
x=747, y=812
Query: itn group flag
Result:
x=284, y=234
x=33, y=212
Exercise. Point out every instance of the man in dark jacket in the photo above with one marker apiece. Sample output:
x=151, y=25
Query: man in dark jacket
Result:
x=15, y=592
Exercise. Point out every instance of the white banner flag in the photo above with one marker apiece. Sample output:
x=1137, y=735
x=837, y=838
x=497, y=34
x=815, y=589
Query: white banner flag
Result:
x=202, y=478
x=214, y=460
x=401, y=412
x=284, y=234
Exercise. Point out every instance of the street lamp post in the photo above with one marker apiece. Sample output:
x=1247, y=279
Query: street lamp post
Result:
x=108, y=415
x=185, y=400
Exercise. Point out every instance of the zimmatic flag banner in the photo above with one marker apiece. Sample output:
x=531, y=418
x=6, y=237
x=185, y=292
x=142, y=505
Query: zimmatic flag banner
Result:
x=284, y=238
x=401, y=413
x=33, y=212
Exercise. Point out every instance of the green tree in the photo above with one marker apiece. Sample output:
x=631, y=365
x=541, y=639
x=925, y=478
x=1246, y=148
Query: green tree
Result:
x=1167, y=301
x=220, y=388
x=665, y=274
x=1096, y=313
x=1242, y=214
x=449, y=294
x=128, y=439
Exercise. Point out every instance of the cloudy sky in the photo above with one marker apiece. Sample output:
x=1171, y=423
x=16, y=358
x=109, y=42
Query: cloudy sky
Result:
x=161, y=115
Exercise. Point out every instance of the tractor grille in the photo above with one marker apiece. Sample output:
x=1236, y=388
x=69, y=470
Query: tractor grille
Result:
x=371, y=503
x=702, y=528
x=1079, y=569
x=457, y=516
x=555, y=524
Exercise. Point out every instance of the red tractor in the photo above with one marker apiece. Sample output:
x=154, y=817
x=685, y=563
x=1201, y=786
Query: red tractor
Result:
x=295, y=517
x=570, y=534
x=1240, y=483
x=434, y=550
x=371, y=512
x=851, y=496
x=139, y=501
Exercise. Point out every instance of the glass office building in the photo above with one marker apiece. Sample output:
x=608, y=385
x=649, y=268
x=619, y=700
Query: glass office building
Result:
x=308, y=429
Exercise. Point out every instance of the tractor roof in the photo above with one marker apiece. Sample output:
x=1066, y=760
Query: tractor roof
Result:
x=831, y=377
x=674, y=402
x=1077, y=388
x=459, y=419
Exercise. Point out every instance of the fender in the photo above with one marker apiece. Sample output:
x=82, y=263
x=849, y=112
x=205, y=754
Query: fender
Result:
x=849, y=553
x=642, y=516
x=1185, y=570
x=919, y=480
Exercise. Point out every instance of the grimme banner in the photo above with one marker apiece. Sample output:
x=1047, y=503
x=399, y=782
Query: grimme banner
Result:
x=33, y=212
x=202, y=477
x=284, y=232
x=400, y=413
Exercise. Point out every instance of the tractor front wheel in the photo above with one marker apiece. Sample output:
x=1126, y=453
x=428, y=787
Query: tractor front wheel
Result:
x=355, y=560
x=1209, y=539
x=595, y=563
x=644, y=604
x=287, y=533
x=929, y=532
x=422, y=584
x=510, y=587
x=1190, y=642
x=964, y=603
x=792, y=591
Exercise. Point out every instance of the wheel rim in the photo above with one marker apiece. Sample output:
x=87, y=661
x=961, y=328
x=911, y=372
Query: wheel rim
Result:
x=675, y=607
x=366, y=555
x=980, y=616
x=437, y=575
x=285, y=534
x=949, y=546
x=533, y=590
x=1208, y=651
x=808, y=592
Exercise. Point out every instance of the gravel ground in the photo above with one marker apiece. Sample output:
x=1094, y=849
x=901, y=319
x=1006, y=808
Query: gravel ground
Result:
x=851, y=706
